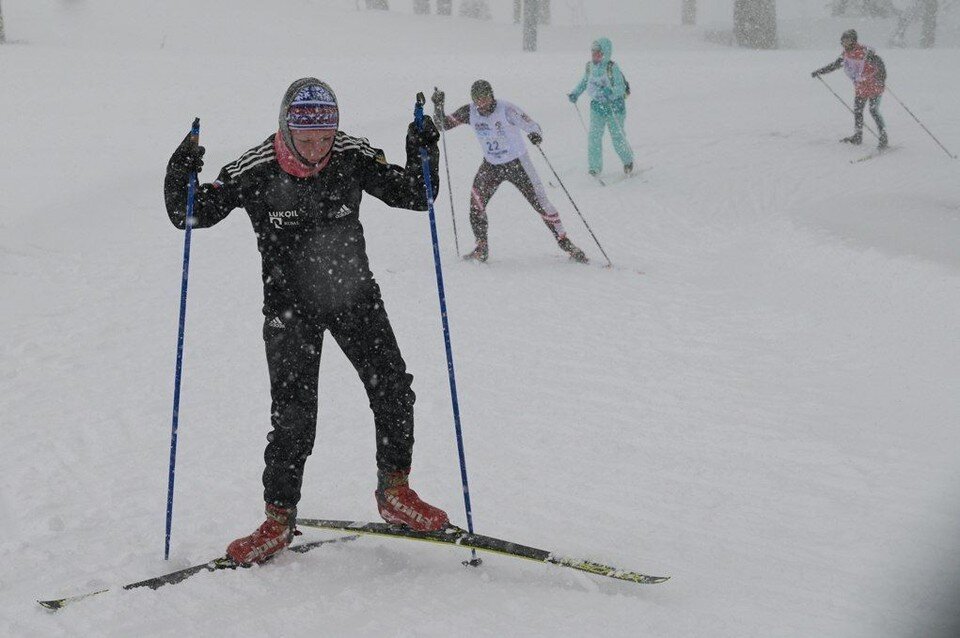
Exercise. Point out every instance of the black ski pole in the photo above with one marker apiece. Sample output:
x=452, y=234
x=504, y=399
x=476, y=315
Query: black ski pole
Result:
x=921, y=123
x=596, y=176
x=446, y=162
x=575, y=207
x=844, y=102
x=580, y=115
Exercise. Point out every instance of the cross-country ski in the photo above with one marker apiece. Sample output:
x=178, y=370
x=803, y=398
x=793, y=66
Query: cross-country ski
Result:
x=453, y=535
x=873, y=154
x=217, y=564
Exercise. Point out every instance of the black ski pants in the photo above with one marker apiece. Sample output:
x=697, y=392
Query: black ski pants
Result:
x=293, y=346
x=859, y=103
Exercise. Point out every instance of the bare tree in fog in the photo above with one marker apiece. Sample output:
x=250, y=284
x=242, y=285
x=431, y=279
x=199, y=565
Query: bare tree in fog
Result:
x=755, y=23
x=543, y=13
x=926, y=12
x=531, y=14
x=689, y=12
x=870, y=8
x=478, y=9
x=928, y=22
x=422, y=7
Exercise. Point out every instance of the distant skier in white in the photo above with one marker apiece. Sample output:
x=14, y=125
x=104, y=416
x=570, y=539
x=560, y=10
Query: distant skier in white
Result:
x=500, y=126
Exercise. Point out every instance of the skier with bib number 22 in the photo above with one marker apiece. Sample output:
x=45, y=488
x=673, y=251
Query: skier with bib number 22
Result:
x=499, y=126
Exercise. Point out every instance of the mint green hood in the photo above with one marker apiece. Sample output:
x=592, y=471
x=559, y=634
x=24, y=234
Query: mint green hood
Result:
x=605, y=46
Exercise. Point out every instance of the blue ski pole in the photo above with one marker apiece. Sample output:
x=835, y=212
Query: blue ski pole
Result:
x=428, y=185
x=188, y=224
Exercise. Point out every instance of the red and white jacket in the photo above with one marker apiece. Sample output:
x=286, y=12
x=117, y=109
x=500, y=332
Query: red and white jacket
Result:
x=864, y=67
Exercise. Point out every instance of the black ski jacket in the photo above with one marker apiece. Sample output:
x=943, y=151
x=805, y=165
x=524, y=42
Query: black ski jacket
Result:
x=309, y=235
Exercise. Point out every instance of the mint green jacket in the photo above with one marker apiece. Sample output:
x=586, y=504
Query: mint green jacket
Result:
x=603, y=82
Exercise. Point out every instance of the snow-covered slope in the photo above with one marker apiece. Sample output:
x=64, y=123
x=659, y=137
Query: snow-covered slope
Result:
x=759, y=399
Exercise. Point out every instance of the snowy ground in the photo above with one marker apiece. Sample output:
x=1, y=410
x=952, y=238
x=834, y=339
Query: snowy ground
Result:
x=760, y=399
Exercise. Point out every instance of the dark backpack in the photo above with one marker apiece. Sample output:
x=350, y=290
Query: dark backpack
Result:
x=626, y=85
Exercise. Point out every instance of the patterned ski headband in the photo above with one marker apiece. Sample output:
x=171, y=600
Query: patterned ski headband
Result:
x=313, y=108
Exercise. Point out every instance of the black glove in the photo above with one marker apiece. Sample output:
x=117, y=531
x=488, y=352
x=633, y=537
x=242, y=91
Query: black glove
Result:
x=437, y=98
x=815, y=74
x=535, y=138
x=188, y=158
x=428, y=137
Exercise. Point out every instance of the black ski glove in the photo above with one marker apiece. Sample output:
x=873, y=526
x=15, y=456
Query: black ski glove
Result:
x=427, y=138
x=815, y=74
x=438, y=98
x=424, y=140
x=535, y=138
x=188, y=158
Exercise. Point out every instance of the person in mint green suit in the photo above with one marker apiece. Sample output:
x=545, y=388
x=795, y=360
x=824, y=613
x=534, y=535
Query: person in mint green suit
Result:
x=608, y=89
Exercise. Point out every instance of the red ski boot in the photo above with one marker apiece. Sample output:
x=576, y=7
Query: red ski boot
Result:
x=400, y=505
x=271, y=537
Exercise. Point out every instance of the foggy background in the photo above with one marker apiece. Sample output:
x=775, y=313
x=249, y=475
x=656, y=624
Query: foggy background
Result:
x=799, y=23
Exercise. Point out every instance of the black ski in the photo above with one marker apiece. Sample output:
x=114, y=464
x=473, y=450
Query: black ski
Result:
x=877, y=153
x=454, y=535
x=173, y=578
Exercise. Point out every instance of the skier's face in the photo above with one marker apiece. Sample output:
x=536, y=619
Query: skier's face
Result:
x=313, y=146
x=596, y=55
x=484, y=104
x=848, y=44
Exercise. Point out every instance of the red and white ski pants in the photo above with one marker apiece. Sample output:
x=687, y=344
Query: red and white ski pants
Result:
x=521, y=173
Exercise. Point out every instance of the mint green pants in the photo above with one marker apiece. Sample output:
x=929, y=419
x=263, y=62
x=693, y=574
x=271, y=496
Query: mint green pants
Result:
x=601, y=118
